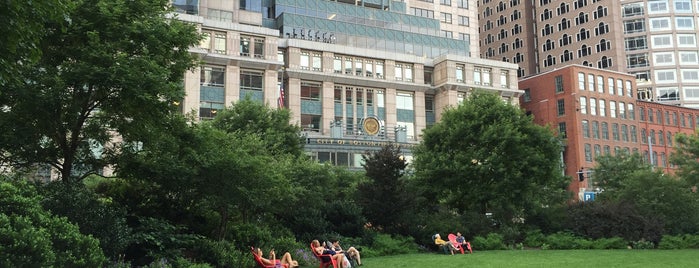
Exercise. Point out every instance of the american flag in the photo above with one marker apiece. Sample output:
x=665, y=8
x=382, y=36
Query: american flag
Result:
x=280, y=100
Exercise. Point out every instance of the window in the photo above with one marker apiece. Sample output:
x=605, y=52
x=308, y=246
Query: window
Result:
x=591, y=82
x=593, y=106
x=635, y=43
x=463, y=20
x=690, y=75
x=634, y=26
x=581, y=81
x=305, y=62
x=612, y=109
x=445, y=18
x=459, y=73
x=585, y=129
x=317, y=60
x=659, y=24
x=504, y=79
x=637, y=60
x=634, y=9
x=634, y=134
x=588, y=152
x=252, y=46
x=602, y=108
x=212, y=90
x=562, y=130
x=668, y=94
x=615, y=131
x=445, y=2
x=610, y=85
x=630, y=111
x=219, y=41
x=657, y=6
x=311, y=91
x=689, y=57
x=622, y=110
x=559, y=83
x=624, y=133
x=686, y=40
x=560, y=107
x=605, y=131
x=462, y=4
x=422, y=12
x=595, y=130
x=683, y=6
x=583, y=105
x=665, y=76
x=661, y=41
x=665, y=58
x=601, y=29
x=684, y=23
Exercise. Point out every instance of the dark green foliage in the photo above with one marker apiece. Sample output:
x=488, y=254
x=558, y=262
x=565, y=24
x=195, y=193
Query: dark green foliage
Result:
x=155, y=239
x=534, y=239
x=679, y=241
x=255, y=118
x=565, y=240
x=385, y=198
x=117, y=66
x=610, y=243
x=487, y=156
x=31, y=237
x=601, y=219
x=221, y=254
x=492, y=241
x=642, y=244
x=384, y=245
x=95, y=216
x=346, y=217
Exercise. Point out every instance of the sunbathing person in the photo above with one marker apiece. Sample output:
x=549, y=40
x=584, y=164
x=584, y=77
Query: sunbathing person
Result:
x=351, y=253
x=321, y=250
x=286, y=259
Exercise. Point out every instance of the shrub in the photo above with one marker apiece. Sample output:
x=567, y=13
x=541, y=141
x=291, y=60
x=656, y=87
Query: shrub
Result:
x=534, y=239
x=565, y=240
x=391, y=245
x=642, y=244
x=692, y=240
x=610, y=243
x=493, y=241
x=672, y=242
x=612, y=219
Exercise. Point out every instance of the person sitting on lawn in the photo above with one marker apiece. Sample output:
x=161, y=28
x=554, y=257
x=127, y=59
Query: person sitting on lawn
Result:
x=351, y=253
x=446, y=245
x=321, y=250
x=286, y=259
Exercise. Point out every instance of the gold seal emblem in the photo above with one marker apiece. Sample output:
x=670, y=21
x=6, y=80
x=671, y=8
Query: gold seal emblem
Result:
x=371, y=126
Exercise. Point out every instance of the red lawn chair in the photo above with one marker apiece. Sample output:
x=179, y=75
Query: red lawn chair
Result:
x=259, y=262
x=459, y=246
x=325, y=259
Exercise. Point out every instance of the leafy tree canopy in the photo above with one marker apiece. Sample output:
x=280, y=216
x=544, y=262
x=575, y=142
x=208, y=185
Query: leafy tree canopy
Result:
x=115, y=68
x=685, y=157
x=487, y=156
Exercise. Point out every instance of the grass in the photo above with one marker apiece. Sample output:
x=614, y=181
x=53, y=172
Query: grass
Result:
x=542, y=258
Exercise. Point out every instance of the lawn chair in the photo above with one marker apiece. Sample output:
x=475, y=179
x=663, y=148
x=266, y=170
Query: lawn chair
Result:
x=325, y=259
x=443, y=247
x=459, y=246
x=259, y=262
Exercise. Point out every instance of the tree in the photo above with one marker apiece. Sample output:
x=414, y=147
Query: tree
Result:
x=255, y=118
x=384, y=198
x=685, y=157
x=115, y=68
x=21, y=32
x=487, y=156
x=32, y=237
x=612, y=171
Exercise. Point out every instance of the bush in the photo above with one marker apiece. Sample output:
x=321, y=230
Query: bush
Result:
x=642, y=244
x=33, y=237
x=692, y=240
x=565, y=240
x=610, y=243
x=491, y=242
x=534, y=239
x=612, y=219
x=672, y=242
x=385, y=245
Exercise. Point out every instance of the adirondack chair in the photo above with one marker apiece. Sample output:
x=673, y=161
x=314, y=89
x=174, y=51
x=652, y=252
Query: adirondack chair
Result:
x=326, y=260
x=260, y=263
x=459, y=246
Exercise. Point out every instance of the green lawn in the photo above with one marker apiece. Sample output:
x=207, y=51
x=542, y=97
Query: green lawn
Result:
x=542, y=258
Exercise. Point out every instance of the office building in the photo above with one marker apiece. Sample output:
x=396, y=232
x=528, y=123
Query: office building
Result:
x=354, y=74
x=596, y=113
x=655, y=40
